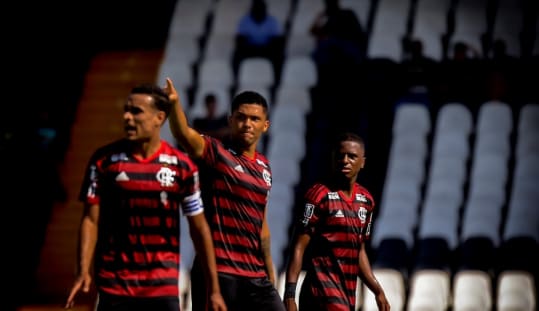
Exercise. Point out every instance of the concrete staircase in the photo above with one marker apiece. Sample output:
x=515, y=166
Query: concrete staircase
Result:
x=98, y=121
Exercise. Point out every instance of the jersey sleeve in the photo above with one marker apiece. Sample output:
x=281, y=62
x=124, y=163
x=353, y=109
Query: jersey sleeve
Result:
x=313, y=210
x=192, y=201
x=211, y=150
x=366, y=229
x=90, y=188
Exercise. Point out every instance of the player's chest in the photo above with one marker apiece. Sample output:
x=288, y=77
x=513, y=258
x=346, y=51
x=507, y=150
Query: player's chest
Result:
x=346, y=212
x=247, y=173
x=142, y=176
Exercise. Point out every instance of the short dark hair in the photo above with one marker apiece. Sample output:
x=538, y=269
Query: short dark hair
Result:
x=347, y=136
x=249, y=97
x=160, y=97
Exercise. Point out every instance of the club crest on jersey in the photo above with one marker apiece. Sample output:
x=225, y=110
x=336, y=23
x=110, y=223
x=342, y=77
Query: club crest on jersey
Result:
x=333, y=195
x=267, y=177
x=307, y=213
x=168, y=159
x=166, y=176
x=361, y=198
x=362, y=214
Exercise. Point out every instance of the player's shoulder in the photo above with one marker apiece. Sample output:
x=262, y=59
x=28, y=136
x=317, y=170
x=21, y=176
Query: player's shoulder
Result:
x=364, y=192
x=317, y=191
x=262, y=159
x=169, y=150
x=111, y=148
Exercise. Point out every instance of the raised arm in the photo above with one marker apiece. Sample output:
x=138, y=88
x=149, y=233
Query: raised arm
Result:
x=366, y=275
x=85, y=254
x=186, y=136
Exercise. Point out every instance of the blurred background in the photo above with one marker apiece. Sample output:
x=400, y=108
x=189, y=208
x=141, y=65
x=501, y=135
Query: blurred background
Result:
x=444, y=92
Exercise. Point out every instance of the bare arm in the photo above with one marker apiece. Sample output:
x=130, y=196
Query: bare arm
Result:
x=294, y=268
x=188, y=137
x=265, y=238
x=367, y=277
x=203, y=243
x=85, y=254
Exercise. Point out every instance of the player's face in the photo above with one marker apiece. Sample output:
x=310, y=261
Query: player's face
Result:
x=349, y=159
x=247, y=124
x=142, y=121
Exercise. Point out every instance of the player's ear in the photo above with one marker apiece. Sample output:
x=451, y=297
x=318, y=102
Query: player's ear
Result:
x=161, y=117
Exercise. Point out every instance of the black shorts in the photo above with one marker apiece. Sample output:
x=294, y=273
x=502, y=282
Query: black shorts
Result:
x=239, y=293
x=106, y=302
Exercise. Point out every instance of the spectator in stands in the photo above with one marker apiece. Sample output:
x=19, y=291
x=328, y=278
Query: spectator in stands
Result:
x=335, y=223
x=340, y=38
x=463, y=51
x=418, y=67
x=133, y=191
x=461, y=73
x=238, y=184
x=211, y=124
x=259, y=34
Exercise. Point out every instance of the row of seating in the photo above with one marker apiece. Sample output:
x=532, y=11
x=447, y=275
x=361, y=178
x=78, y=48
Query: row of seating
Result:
x=201, y=37
x=468, y=214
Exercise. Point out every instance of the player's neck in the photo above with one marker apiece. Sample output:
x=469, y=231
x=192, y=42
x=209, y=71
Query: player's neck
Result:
x=249, y=153
x=346, y=186
x=147, y=149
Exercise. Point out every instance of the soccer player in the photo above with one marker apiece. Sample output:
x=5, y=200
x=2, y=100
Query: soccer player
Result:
x=335, y=223
x=135, y=190
x=235, y=181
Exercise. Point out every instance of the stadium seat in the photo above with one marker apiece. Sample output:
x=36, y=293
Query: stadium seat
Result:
x=429, y=290
x=516, y=291
x=412, y=117
x=289, y=95
x=299, y=72
x=430, y=24
x=472, y=290
x=388, y=30
x=393, y=283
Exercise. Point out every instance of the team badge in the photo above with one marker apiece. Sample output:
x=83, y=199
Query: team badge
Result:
x=362, y=214
x=166, y=177
x=267, y=177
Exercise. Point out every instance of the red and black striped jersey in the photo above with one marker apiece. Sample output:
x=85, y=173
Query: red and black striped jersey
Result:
x=338, y=225
x=138, y=248
x=235, y=192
